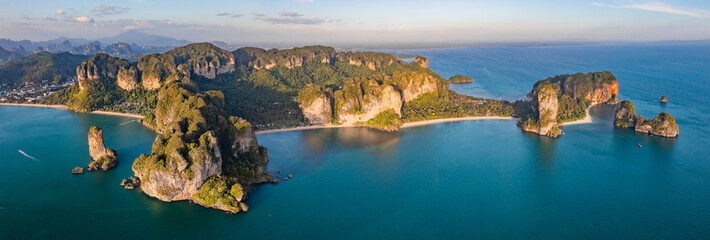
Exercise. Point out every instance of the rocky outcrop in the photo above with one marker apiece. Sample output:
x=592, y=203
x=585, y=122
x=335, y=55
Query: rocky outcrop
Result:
x=127, y=78
x=77, y=170
x=547, y=105
x=597, y=87
x=198, y=142
x=204, y=59
x=460, y=79
x=422, y=61
x=625, y=115
x=102, y=157
x=373, y=60
x=258, y=58
x=415, y=84
x=316, y=104
x=662, y=125
x=100, y=66
x=362, y=99
x=664, y=99
x=131, y=183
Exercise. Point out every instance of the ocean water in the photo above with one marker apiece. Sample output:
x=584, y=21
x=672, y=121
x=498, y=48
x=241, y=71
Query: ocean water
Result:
x=479, y=179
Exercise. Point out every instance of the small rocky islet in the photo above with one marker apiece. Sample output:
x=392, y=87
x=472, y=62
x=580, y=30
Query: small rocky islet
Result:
x=205, y=154
x=663, y=124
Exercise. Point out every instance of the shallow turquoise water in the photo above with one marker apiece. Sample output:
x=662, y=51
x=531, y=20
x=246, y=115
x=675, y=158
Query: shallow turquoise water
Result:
x=478, y=179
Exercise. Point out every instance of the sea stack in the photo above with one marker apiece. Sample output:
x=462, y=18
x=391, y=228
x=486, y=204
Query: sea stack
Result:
x=102, y=158
x=664, y=99
x=662, y=125
x=625, y=116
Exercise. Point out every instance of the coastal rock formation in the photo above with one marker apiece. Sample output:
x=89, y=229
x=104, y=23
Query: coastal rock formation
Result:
x=460, y=79
x=422, y=61
x=97, y=67
x=77, y=170
x=625, y=115
x=131, y=183
x=362, y=99
x=127, y=78
x=203, y=59
x=414, y=84
x=597, y=87
x=664, y=99
x=102, y=157
x=546, y=122
x=199, y=142
x=662, y=125
x=316, y=104
x=258, y=58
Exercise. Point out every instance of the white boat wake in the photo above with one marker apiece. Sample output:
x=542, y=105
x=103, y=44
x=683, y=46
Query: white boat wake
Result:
x=127, y=122
x=28, y=156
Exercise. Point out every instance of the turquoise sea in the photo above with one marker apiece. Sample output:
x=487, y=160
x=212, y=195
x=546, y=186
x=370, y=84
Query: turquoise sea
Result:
x=463, y=180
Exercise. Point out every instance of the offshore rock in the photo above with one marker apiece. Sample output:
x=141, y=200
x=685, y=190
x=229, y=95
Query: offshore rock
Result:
x=625, y=115
x=662, y=125
x=102, y=158
x=664, y=99
x=546, y=123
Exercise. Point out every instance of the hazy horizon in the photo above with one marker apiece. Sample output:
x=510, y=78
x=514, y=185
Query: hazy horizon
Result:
x=364, y=22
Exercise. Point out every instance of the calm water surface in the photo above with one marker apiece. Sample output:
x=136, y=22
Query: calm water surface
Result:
x=478, y=179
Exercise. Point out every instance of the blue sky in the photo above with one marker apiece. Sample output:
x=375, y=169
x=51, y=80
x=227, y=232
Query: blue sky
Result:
x=321, y=21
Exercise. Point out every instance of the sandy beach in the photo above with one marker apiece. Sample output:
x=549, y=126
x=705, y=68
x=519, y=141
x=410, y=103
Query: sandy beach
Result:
x=34, y=105
x=65, y=108
x=406, y=125
x=586, y=119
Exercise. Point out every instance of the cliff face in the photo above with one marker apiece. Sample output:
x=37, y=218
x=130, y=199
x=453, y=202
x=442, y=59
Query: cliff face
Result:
x=102, y=157
x=362, y=99
x=597, y=87
x=422, y=61
x=199, y=144
x=662, y=125
x=290, y=58
x=203, y=59
x=316, y=104
x=374, y=61
x=100, y=66
x=547, y=105
x=625, y=115
x=414, y=84
x=127, y=78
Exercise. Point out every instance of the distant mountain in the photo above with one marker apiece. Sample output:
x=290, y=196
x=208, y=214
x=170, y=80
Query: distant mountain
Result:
x=142, y=39
x=118, y=49
x=40, y=66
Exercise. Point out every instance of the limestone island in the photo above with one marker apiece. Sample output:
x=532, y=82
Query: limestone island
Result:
x=206, y=103
x=102, y=158
x=565, y=98
x=460, y=79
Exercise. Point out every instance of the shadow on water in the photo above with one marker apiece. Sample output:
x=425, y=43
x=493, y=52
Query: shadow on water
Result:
x=317, y=141
x=545, y=148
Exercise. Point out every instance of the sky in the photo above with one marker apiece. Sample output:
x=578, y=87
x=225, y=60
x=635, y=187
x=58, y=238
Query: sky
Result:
x=324, y=21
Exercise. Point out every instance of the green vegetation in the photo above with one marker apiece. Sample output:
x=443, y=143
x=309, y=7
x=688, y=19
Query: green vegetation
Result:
x=621, y=121
x=56, y=68
x=451, y=105
x=387, y=120
x=460, y=79
x=658, y=122
x=219, y=189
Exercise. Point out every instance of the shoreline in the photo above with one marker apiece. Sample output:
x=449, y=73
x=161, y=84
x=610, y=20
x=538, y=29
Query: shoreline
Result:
x=131, y=115
x=406, y=125
x=587, y=118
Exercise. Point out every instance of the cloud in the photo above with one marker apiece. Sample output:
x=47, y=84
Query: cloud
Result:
x=294, y=21
x=84, y=19
x=237, y=15
x=660, y=7
x=48, y=18
x=60, y=12
x=257, y=14
x=222, y=14
x=290, y=14
x=104, y=10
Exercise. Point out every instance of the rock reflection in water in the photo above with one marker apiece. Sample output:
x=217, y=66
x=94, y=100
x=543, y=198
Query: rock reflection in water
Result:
x=318, y=140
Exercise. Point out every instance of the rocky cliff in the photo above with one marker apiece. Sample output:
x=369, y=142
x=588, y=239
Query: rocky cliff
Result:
x=203, y=59
x=199, y=144
x=546, y=109
x=316, y=104
x=258, y=58
x=360, y=100
x=422, y=61
x=373, y=60
x=625, y=115
x=414, y=84
x=102, y=157
x=597, y=87
x=662, y=125
x=100, y=66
